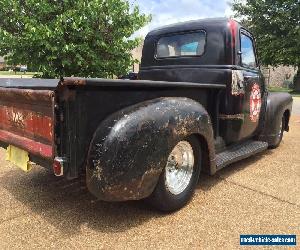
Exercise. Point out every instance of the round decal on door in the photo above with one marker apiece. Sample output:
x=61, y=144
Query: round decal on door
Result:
x=255, y=102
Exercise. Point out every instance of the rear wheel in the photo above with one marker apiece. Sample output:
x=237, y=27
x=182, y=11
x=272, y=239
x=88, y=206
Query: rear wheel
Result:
x=279, y=134
x=177, y=182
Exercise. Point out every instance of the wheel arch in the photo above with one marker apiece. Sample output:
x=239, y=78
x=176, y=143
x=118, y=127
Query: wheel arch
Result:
x=287, y=115
x=278, y=105
x=207, y=161
x=129, y=149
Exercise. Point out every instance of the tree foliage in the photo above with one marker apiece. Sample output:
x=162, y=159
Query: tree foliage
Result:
x=276, y=26
x=89, y=38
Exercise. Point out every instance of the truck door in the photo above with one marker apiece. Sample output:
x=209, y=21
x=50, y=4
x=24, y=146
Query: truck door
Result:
x=241, y=113
x=254, y=87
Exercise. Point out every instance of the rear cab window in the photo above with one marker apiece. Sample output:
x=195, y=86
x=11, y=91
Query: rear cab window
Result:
x=181, y=45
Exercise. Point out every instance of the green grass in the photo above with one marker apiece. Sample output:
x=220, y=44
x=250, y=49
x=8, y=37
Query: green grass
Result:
x=286, y=90
x=9, y=73
x=279, y=89
x=295, y=93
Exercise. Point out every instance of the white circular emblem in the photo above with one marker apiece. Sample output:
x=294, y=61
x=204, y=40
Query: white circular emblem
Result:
x=255, y=102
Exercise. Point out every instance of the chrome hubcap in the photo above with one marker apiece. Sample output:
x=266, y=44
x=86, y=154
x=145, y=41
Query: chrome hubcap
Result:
x=179, y=169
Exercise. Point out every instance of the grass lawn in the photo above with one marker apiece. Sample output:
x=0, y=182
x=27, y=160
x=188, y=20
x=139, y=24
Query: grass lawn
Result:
x=10, y=73
x=287, y=90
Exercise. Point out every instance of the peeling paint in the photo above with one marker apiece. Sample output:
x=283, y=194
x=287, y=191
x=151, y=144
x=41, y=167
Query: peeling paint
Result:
x=130, y=148
x=72, y=81
x=26, y=120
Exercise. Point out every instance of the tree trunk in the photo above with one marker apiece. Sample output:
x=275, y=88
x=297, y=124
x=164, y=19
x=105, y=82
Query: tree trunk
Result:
x=297, y=80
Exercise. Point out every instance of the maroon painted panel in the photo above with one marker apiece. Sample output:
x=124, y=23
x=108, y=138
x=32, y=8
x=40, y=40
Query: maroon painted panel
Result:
x=26, y=120
x=33, y=147
x=26, y=123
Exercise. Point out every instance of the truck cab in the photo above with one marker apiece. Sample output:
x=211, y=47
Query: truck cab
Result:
x=218, y=52
x=200, y=103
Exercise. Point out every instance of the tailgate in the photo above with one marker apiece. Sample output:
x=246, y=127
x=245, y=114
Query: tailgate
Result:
x=27, y=120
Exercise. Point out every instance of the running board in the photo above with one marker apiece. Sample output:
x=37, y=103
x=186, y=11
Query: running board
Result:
x=239, y=152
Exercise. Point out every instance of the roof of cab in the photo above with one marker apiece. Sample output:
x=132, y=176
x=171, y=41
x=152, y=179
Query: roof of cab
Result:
x=190, y=25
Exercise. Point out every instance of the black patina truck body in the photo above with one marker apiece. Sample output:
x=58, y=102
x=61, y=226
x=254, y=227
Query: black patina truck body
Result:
x=200, y=104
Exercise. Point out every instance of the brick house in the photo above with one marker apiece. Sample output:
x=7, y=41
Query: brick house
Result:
x=2, y=63
x=137, y=54
x=279, y=76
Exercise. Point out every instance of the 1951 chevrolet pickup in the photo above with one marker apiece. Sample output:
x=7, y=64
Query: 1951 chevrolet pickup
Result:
x=200, y=103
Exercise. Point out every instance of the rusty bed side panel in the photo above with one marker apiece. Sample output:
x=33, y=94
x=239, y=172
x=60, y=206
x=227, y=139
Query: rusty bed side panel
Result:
x=35, y=148
x=26, y=94
x=26, y=120
x=26, y=123
x=69, y=81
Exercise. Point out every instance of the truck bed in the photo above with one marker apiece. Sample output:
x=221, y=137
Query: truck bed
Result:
x=50, y=118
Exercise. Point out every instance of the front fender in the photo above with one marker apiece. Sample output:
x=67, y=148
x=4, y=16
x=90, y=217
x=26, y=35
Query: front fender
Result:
x=277, y=105
x=130, y=148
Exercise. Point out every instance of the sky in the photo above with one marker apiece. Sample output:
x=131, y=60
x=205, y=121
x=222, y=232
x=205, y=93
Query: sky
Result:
x=165, y=12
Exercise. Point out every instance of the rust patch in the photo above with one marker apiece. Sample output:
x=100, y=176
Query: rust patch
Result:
x=25, y=95
x=185, y=125
x=26, y=120
x=73, y=81
x=98, y=173
x=67, y=94
x=232, y=117
x=16, y=117
x=129, y=149
x=33, y=147
x=134, y=189
x=26, y=123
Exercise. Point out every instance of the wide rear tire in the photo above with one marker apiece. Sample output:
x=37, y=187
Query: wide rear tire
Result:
x=178, y=180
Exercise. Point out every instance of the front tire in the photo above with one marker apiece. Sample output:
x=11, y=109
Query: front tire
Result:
x=178, y=180
x=279, y=134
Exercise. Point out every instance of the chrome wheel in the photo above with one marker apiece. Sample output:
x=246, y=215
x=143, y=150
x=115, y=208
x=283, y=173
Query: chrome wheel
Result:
x=179, y=169
x=280, y=129
x=176, y=185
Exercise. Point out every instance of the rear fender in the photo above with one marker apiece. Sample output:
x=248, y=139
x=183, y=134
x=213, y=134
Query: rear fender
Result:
x=278, y=104
x=130, y=148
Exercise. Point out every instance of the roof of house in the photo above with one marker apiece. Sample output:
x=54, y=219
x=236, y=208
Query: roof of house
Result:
x=1, y=59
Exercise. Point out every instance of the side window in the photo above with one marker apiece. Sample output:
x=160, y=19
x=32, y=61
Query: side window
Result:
x=248, y=54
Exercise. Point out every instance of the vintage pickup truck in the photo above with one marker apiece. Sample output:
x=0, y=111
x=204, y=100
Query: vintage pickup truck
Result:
x=200, y=103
